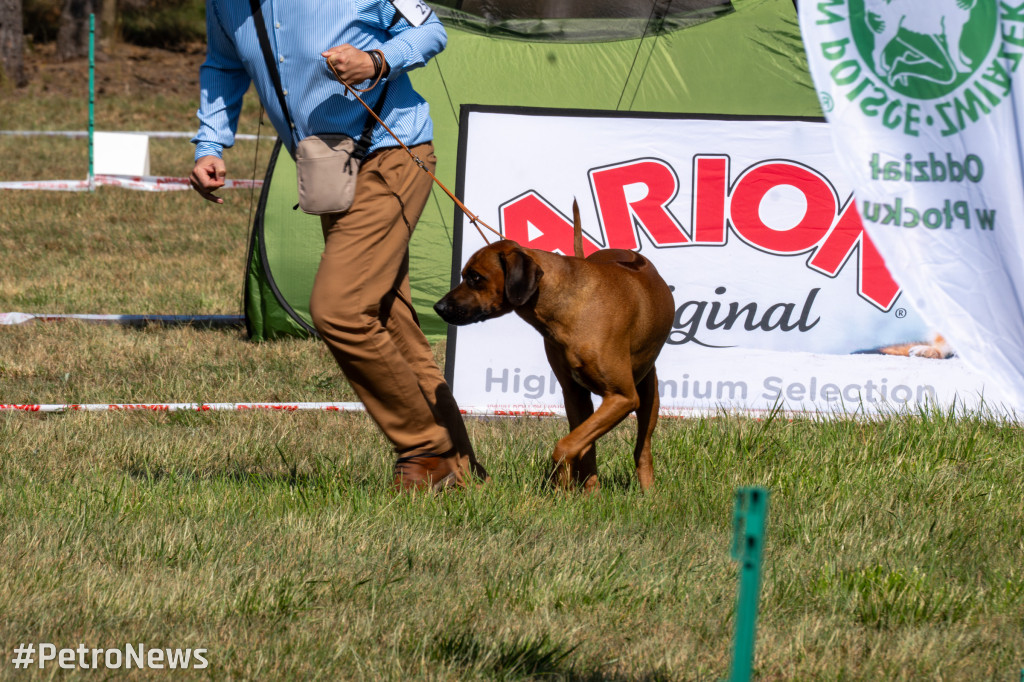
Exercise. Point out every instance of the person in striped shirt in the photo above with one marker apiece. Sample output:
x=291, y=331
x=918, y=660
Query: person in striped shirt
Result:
x=360, y=303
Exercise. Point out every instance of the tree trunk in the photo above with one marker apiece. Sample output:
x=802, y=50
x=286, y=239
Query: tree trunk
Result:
x=106, y=22
x=12, y=43
x=73, y=35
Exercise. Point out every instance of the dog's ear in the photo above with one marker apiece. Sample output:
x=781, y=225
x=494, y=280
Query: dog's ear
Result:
x=522, y=274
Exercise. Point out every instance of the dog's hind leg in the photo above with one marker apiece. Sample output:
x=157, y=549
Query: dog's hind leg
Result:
x=646, y=420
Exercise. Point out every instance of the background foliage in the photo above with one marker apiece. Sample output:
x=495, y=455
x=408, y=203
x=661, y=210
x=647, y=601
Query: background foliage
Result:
x=167, y=24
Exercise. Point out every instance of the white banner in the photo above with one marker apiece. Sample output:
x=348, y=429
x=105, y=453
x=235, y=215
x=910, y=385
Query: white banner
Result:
x=781, y=298
x=924, y=100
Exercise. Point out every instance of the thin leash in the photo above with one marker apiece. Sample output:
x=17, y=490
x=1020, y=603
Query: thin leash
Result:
x=473, y=218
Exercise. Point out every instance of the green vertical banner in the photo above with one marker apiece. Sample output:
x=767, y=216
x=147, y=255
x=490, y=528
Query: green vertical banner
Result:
x=924, y=101
x=92, y=95
x=749, y=519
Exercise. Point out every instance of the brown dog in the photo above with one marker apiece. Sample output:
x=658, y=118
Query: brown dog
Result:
x=604, y=320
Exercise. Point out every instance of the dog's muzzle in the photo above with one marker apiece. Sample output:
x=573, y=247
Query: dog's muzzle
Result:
x=455, y=313
x=450, y=312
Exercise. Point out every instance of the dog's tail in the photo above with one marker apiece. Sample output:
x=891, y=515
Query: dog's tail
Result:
x=577, y=231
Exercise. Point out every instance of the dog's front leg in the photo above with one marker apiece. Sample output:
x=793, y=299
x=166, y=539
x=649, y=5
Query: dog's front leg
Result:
x=579, y=406
x=614, y=408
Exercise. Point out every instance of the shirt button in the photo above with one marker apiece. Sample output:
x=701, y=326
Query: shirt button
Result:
x=277, y=25
x=284, y=92
x=280, y=59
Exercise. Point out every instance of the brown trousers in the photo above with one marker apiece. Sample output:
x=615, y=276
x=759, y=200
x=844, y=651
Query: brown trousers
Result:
x=362, y=307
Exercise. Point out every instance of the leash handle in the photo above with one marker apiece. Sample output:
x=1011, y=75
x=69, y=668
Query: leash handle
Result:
x=473, y=218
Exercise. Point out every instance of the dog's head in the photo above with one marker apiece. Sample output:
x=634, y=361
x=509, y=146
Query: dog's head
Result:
x=496, y=280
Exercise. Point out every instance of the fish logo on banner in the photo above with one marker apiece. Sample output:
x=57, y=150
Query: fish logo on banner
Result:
x=920, y=99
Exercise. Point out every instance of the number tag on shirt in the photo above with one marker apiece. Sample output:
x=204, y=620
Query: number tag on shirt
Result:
x=414, y=11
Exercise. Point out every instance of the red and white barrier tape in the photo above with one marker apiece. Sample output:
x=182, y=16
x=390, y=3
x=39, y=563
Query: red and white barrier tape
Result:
x=131, y=320
x=248, y=407
x=53, y=185
x=358, y=407
x=153, y=183
x=183, y=407
x=85, y=133
x=304, y=407
x=243, y=407
x=146, y=183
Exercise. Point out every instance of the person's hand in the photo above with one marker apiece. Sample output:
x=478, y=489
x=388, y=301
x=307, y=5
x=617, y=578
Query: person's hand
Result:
x=351, y=64
x=208, y=176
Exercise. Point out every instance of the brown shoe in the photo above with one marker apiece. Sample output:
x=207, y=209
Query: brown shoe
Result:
x=427, y=471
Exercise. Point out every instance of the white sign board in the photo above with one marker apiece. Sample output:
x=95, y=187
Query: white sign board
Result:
x=781, y=298
x=924, y=103
x=121, y=154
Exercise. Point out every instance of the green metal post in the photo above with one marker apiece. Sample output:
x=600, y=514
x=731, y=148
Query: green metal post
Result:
x=92, y=94
x=749, y=521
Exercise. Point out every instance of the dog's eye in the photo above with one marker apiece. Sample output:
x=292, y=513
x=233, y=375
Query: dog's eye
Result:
x=473, y=279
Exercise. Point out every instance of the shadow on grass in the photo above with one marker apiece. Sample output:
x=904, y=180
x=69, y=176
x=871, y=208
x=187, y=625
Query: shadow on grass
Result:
x=325, y=473
x=342, y=479
x=621, y=481
x=531, y=657
x=348, y=478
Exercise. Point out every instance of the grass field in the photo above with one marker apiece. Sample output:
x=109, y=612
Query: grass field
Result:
x=895, y=548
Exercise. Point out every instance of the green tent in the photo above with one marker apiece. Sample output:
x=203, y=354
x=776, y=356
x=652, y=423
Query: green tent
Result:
x=687, y=56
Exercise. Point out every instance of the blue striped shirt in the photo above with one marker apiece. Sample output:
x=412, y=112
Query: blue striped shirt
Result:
x=299, y=31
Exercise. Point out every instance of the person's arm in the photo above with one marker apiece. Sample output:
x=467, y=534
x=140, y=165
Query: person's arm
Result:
x=223, y=82
x=409, y=47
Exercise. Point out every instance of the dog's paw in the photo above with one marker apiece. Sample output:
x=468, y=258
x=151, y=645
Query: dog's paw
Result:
x=926, y=352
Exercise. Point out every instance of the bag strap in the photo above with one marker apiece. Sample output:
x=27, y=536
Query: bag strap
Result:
x=268, y=57
x=363, y=143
